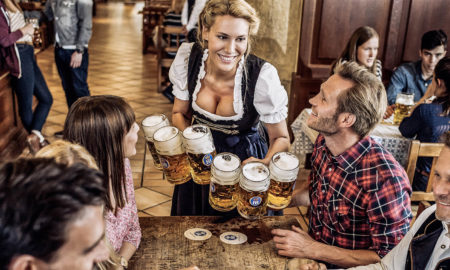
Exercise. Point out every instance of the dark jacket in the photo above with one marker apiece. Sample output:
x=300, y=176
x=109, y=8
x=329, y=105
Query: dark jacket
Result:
x=9, y=56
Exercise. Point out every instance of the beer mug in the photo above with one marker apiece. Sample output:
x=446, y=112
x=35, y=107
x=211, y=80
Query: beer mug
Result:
x=174, y=160
x=254, y=182
x=224, y=186
x=283, y=173
x=149, y=125
x=198, y=142
x=403, y=104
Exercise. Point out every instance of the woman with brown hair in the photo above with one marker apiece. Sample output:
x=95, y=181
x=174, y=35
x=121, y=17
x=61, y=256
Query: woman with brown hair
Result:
x=239, y=96
x=106, y=127
x=17, y=57
x=362, y=48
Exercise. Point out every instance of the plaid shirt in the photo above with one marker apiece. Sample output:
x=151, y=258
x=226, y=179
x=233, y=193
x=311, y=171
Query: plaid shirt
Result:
x=359, y=199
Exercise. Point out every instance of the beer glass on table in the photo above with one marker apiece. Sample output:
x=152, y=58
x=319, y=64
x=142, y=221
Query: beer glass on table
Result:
x=283, y=173
x=224, y=186
x=149, y=125
x=403, y=104
x=254, y=183
x=199, y=145
x=174, y=161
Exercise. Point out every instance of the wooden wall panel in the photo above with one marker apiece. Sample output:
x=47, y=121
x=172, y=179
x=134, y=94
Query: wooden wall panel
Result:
x=424, y=16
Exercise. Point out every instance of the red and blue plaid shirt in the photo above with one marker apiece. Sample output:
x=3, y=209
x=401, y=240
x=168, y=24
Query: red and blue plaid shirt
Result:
x=360, y=199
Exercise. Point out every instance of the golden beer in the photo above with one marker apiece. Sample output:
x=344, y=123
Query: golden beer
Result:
x=283, y=168
x=176, y=168
x=254, y=183
x=403, y=104
x=149, y=125
x=201, y=167
x=174, y=160
x=224, y=186
x=198, y=142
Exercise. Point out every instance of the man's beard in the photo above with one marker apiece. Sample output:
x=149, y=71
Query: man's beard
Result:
x=326, y=126
x=444, y=199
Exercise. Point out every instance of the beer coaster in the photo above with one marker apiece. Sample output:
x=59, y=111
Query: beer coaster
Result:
x=233, y=238
x=197, y=234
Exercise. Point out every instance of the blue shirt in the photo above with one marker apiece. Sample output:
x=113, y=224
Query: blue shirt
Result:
x=427, y=125
x=407, y=78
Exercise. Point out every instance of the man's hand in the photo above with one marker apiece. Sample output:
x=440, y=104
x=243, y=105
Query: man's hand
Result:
x=184, y=30
x=295, y=243
x=389, y=111
x=75, y=60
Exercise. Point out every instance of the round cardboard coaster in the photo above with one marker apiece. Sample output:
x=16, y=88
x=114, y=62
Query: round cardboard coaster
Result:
x=197, y=234
x=233, y=238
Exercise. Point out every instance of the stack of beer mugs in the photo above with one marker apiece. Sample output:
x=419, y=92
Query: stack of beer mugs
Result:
x=403, y=104
x=172, y=155
x=199, y=145
x=149, y=125
x=224, y=186
x=283, y=168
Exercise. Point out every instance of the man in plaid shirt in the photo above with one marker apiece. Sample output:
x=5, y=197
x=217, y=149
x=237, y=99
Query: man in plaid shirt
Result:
x=359, y=195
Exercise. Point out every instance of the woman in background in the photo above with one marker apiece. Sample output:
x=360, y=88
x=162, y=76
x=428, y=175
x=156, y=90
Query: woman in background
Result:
x=106, y=127
x=217, y=82
x=17, y=56
x=362, y=48
x=428, y=121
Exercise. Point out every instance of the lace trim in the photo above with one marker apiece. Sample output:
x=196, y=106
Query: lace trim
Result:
x=217, y=127
x=237, y=96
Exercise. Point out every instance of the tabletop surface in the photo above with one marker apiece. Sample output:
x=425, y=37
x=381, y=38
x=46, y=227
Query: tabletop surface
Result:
x=164, y=246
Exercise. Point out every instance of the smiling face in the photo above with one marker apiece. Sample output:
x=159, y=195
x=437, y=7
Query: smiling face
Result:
x=227, y=42
x=323, y=117
x=367, y=52
x=441, y=186
x=130, y=140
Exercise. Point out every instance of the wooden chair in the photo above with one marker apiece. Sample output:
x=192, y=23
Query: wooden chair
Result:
x=169, y=39
x=418, y=149
x=152, y=16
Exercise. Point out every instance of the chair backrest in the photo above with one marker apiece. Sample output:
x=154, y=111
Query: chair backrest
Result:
x=419, y=149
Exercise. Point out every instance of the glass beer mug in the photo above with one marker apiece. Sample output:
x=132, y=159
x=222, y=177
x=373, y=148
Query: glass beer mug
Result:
x=174, y=160
x=149, y=125
x=403, y=104
x=224, y=186
x=198, y=142
x=283, y=173
x=254, y=182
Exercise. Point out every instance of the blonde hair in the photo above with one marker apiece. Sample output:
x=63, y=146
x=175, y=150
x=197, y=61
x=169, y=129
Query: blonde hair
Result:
x=366, y=99
x=65, y=152
x=235, y=8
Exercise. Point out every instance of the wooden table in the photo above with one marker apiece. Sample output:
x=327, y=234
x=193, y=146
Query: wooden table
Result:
x=164, y=246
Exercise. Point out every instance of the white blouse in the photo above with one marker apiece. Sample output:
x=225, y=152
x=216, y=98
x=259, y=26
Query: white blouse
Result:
x=270, y=98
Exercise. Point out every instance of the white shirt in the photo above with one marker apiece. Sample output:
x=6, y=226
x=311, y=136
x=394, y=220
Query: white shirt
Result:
x=270, y=99
x=196, y=10
x=396, y=258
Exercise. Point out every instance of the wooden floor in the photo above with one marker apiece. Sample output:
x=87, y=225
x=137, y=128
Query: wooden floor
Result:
x=117, y=67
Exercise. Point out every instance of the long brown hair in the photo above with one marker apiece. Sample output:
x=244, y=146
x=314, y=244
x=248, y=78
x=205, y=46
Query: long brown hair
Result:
x=100, y=123
x=358, y=38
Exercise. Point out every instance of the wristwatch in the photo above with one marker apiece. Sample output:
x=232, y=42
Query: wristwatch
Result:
x=123, y=262
x=79, y=50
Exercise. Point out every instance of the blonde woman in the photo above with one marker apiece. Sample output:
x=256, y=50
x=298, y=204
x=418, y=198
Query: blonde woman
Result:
x=218, y=82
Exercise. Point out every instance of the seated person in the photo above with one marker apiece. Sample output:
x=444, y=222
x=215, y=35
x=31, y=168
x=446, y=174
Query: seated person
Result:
x=415, y=77
x=430, y=250
x=63, y=205
x=362, y=48
x=428, y=122
x=359, y=195
x=106, y=127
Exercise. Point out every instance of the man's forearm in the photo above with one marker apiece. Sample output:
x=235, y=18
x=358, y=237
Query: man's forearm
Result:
x=344, y=257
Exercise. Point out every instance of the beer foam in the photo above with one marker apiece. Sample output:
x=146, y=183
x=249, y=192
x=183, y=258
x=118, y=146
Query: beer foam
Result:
x=193, y=133
x=226, y=162
x=168, y=141
x=152, y=120
x=255, y=171
x=165, y=133
x=198, y=139
x=285, y=161
x=405, y=99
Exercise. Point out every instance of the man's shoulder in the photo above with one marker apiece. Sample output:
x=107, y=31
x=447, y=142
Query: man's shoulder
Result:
x=383, y=168
x=409, y=67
